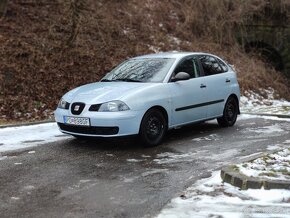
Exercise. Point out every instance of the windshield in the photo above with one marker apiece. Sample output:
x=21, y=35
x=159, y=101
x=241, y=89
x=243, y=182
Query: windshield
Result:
x=140, y=70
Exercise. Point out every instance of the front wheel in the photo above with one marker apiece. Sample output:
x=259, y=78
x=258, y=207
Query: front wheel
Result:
x=230, y=113
x=153, y=128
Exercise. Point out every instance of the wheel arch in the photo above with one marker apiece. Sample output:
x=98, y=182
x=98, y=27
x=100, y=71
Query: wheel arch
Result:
x=237, y=100
x=163, y=111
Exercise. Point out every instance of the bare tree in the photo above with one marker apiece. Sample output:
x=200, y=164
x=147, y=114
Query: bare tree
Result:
x=76, y=11
x=3, y=6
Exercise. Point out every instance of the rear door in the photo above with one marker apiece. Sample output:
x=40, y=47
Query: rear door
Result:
x=217, y=79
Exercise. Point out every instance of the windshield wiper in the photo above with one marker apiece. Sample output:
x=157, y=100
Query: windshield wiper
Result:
x=127, y=80
x=106, y=80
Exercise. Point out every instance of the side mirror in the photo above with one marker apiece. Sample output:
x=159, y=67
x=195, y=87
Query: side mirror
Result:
x=181, y=76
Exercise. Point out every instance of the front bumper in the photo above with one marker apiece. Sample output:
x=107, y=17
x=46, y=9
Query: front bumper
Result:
x=102, y=124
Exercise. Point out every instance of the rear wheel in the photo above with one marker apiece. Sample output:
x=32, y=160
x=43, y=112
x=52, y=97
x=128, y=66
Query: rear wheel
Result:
x=230, y=113
x=153, y=128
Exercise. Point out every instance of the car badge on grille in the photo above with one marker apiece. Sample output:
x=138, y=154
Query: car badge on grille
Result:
x=77, y=107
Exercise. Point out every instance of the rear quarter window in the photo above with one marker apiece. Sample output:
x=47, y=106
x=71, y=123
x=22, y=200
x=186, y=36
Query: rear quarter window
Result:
x=223, y=65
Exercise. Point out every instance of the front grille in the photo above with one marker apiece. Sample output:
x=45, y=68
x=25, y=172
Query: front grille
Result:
x=91, y=130
x=77, y=108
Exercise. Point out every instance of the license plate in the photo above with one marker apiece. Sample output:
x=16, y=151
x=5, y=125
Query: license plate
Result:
x=78, y=121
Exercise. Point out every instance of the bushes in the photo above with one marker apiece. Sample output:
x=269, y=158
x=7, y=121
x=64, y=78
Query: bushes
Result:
x=49, y=47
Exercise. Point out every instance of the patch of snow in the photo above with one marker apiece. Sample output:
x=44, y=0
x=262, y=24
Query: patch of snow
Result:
x=271, y=196
x=110, y=155
x=251, y=155
x=224, y=154
x=18, y=163
x=273, y=147
x=154, y=49
x=168, y=157
x=13, y=138
x=133, y=160
x=174, y=39
x=129, y=180
x=84, y=181
x=153, y=171
x=212, y=198
x=266, y=129
x=253, y=102
x=273, y=166
x=126, y=31
x=208, y=138
x=165, y=154
x=201, y=139
x=252, y=116
x=31, y=152
x=3, y=157
x=145, y=156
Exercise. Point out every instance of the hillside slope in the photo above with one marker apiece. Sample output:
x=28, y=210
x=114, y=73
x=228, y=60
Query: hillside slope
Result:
x=48, y=47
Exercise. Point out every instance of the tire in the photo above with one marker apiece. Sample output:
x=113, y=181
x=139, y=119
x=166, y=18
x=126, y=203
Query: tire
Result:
x=153, y=128
x=230, y=113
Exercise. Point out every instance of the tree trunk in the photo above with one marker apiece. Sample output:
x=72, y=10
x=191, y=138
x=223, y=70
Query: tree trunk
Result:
x=3, y=6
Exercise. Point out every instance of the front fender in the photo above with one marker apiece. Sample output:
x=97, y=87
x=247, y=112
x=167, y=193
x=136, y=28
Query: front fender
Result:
x=148, y=97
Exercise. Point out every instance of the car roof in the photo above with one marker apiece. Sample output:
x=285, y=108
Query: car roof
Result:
x=170, y=55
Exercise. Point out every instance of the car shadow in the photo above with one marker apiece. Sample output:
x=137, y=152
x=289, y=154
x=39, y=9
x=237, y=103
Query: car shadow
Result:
x=192, y=131
x=132, y=143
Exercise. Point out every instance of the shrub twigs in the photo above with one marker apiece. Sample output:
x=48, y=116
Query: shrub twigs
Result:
x=77, y=8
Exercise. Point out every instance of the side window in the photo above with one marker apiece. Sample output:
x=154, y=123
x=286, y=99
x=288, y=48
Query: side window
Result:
x=223, y=65
x=189, y=66
x=210, y=65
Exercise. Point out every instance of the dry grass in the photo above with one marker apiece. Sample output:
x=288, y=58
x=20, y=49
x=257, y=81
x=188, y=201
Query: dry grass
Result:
x=48, y=47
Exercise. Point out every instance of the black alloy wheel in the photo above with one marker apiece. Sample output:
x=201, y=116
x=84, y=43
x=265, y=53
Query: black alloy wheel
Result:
x=230, y=113
x=153, y=128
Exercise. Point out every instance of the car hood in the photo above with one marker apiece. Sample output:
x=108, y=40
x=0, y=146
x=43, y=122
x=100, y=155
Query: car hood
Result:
x=101, y=92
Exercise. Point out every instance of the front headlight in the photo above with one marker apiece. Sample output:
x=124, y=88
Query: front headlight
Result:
x=63, y=104
x=113, y=106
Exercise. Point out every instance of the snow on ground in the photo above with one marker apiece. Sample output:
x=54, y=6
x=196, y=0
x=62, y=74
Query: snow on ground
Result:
x=169, y=157
x=212, y=198
x=211, y=137
x=272, y=166
x=266, y=129
x=252, y=116
x=134, y=160
x=256, y=103
x=12, y=138
x=270, y=130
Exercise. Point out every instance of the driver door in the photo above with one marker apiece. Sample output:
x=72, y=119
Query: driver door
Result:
x=187, y=96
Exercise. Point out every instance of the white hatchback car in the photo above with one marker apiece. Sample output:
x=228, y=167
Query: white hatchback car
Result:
x=147, y=95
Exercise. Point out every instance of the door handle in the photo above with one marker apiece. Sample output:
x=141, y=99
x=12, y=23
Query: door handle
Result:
x=202, y=86
x=228, y=80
